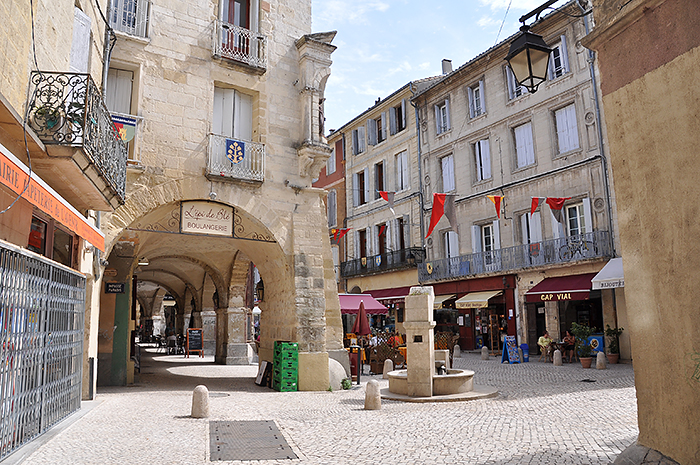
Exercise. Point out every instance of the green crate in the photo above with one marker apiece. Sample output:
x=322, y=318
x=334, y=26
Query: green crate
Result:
x=285, y=345
x=284, y=374
x=281, y=355
x=287, y=364
x=284, y=385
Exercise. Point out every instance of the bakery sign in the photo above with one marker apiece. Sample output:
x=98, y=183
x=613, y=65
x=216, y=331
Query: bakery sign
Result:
x=210, y=218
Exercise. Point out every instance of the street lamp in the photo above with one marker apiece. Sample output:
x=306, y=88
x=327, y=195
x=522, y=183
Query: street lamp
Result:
x=528, y=59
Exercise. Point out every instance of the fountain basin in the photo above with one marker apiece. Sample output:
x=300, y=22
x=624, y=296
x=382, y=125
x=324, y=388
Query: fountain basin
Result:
x=454, y=382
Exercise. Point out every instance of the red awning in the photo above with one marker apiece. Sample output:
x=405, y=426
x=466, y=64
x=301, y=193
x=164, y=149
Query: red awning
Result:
x=575, y=287
x=350, y=304
x=391, y=296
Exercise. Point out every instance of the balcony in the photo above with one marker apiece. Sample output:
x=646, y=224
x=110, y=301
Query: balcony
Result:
x=240, y=45
x=235, y=159
x=390, y=261
x=560, y=251
x=86, y=157
x=130, y=17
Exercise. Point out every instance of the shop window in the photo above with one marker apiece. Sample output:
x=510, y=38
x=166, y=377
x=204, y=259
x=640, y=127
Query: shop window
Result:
x=62, y=247
x=37, y=236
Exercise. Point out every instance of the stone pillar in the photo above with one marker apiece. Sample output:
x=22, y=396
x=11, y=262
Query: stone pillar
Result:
x=231, y=346
x=208, y=331
x=420, y=342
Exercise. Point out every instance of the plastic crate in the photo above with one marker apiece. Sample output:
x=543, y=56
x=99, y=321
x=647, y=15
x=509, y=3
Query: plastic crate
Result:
x=282, y=355
x=284, y=385
x=284, y=345
x=284, y=374
x=287, y=364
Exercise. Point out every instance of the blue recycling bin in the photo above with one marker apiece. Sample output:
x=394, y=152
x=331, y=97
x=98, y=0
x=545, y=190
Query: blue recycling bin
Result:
x=526, y=352
x=479, y=342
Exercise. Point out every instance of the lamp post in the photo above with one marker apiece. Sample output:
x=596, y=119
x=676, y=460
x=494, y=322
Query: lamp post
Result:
x=528, y=57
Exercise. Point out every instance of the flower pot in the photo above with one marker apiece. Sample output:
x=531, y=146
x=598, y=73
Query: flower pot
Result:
x=586, y=361
x=613, y=358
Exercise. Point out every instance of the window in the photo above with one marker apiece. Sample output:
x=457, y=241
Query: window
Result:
x=515, y=90
x=397, y=118
x=382, y=235
x=476, y=100
x=402, y=171
x=378, y=179
x=332, y=208
x=130, y=16
x=62, y=247
x=358, y=140
x=558, y=60
x=530, y=228
x=448, y=173
x=376, y=130
x=451, y=242
x=46, y=238
x=401, y=232
x=575, y=220
x=442, y=116
x=362, y=243
x=523, y=145
x=486, y=239
x=233, y=114
x=37, y=236
x=361, y=187
x=567, y=131
x=330, y=163
x=482, y=160
x=118, y=91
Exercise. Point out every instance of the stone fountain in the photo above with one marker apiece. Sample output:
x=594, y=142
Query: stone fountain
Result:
x=423, y=381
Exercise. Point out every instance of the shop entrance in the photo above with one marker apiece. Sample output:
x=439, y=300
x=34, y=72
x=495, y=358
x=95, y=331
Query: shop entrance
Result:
x=536, y=324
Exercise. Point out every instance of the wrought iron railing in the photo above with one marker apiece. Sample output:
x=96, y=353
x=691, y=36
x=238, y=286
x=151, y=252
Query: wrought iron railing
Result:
x=68, y=109
x=226, y=162
x=240, y=44
x=130, y=16
x=390, y=261
x=42, y=306
x=591, y=245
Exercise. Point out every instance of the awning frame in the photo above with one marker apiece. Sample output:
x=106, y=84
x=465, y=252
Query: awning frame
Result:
x=478, y=299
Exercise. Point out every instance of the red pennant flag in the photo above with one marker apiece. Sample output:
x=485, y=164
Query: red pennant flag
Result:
x=496, y=199
x=343, y=232
x=556, y=204
x=381, y=230
x=536, y=202
x=389, y=197
x=438, y=210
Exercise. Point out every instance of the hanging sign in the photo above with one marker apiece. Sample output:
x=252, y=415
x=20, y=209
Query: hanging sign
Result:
x=203, y=217
x=510, y=350
x=114, y=288
x=125, y=126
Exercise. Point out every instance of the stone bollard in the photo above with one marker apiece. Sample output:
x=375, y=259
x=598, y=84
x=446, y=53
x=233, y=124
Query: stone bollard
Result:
x=200, y=402
x=373, y=400
x=388, y=366
x=557, y=358
x=600, y=361
x=457, y=351
x=484, y=353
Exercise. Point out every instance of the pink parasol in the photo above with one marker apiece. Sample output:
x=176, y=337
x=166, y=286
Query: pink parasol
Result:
x=361, y=326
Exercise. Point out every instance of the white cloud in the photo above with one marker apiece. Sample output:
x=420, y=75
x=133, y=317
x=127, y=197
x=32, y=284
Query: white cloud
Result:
x=514, y=5
x=488, y=21
x=340, y=11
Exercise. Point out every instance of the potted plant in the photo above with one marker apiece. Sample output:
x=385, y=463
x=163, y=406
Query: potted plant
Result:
x=614, y=343
x=583, y=345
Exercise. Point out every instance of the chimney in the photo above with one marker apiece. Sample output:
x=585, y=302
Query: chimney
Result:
x=446, y=66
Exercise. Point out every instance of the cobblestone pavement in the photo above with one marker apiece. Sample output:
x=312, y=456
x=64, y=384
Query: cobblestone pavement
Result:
x=544, y=415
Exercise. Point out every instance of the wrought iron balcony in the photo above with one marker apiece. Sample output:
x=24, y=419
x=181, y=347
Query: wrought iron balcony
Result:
x=130, y=16
x=241, y=45
x=390, y=261
x=70, y=117
x=587, y=246
x=235, y=159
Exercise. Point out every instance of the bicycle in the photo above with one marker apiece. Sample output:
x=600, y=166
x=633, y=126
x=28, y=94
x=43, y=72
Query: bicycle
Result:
x=577, y=246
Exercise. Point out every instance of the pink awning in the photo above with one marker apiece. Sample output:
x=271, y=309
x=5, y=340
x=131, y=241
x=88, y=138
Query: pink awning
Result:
x=350, y=304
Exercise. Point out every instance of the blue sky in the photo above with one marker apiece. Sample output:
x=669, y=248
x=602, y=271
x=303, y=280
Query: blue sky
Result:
x=383, y=44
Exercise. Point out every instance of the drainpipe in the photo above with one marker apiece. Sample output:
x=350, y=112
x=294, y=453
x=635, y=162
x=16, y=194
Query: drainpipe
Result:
x=420, y=171
x=591, y=68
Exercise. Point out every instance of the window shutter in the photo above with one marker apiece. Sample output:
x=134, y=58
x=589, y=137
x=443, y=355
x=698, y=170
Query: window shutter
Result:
x=447, y=112
x=557, y=227
x=354, y=190
x=485, y=158
x=383, y=125
x=550, y=68
x=254, y=12
x=392, y=121
x=496, y=235
x=80, y=48
x=536, y=227
x=510, y=80
x=564, y=55
x=562, y=129
x=476, y=239
x=403, y=113
x=366, y=174
x=447, y=174
x=118, y=93
x=406, y=231
x=587, y=217
x=472, y=110
x=357, y=254
x=529, y=146
x=438, y=120
x=520, y=145
x=482, y=94
x=332, y=208
x=243, y=117
x=355, y=145
x=451, y=244
x=525, y=228
x=404, y=170
x=371, y=132
x=361, y=139
x=572, y=127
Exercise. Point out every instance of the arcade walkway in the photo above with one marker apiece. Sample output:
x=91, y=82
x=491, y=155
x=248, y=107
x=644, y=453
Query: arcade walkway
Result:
x=544, y=415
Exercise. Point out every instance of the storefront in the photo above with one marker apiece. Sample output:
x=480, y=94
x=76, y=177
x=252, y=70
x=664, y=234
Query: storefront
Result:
x=350, y=306
x=394, y=300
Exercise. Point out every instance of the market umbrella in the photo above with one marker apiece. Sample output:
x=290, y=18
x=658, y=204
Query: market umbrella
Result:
x=361, y=326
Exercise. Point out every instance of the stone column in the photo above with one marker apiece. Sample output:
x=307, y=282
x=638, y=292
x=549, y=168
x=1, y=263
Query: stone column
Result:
x=420, y=342
x=231, y=346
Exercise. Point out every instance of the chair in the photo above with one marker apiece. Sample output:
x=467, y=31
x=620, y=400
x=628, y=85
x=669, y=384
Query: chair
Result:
x=546, y=352
x=171, y=347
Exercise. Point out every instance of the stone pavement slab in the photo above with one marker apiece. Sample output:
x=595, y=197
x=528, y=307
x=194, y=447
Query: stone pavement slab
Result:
x=543, y=415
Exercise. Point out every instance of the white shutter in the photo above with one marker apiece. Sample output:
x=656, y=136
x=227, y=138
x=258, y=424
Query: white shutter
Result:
x=371, y=132
x=254, y=12
x=482, y=95
x=355, y=191
x=448, y=177
x=357, y=254
x=485, y=158
x=453, y=241
x=529, y=146
x=572, y=126
x=564, y=55
x=243, y=117
x=392, y=121
x=383, y=125
x=472, y=110
x=403, y=112
x=557, y=227
x=404, y=170
x=525, y=228
x=361, y=139
x=355, y=145
x=447, y=112
x=366, y=184
x=406, y=231
x=80, y=48
x=438, y=120
x=496, y=235
x=520, y=144
x=587, y=217
x=476, y=239
x=535, y=227
x=510, y=80
x=118, y=92
x=389, y=235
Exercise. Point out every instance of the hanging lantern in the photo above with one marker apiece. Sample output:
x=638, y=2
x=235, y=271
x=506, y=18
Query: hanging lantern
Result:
x=528, y=59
